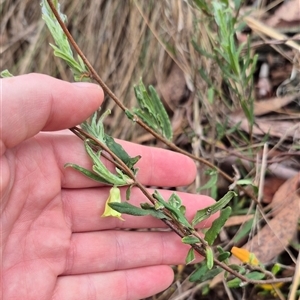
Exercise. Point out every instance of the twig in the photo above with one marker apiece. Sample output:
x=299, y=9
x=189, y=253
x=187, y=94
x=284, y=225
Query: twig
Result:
x=96, y=77
x=173, y=224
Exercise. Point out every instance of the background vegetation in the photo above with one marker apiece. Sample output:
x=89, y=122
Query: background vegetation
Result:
x=223, y=114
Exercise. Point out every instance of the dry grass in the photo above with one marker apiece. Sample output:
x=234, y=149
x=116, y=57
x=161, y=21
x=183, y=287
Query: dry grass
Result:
x=126, y=40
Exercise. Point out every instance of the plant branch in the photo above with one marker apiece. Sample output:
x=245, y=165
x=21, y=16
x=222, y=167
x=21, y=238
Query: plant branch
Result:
x=94, y=75
x=173, y=224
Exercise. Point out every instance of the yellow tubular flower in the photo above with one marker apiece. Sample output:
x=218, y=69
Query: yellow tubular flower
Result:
x=114, y=196
x=245, y=256
x=270, y=287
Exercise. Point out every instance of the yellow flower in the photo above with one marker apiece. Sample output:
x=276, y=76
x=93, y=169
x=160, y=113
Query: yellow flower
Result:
x=270, y=287
x=114, y=196
x=245, y=256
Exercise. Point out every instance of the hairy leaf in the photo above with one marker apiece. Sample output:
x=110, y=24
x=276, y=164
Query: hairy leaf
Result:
x=217, y=225
x=151, y=111
x=205, y=213
x=190, y=256
x=127, y=208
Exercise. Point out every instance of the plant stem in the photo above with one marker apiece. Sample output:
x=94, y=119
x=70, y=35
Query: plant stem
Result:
x=94, y=75
x=173, y=224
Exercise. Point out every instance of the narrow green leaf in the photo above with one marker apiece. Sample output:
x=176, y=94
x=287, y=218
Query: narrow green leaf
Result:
x=243, y=231
x=100, y=172
x=87, y=173
x=211, y=274
x=119, y=151
x=198, y=273
x=128, y=192
x=211, y=182
x=202, y=51
x=62, y=48
x=209, y=258
x=190, y=239
x=151, y=110
x=5, y=74
x=246, y=181
x=207, y=212
x=190, y=256
x=127, y=208
x=176, y=212
x=217, y=225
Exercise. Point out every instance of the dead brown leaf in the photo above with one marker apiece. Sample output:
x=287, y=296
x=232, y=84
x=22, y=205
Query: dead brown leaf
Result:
x=270, y=105
x=238, y=220
x=270, y=187
x=275, y=236
x=265, y=126
x=288, y=13
x=272, y=239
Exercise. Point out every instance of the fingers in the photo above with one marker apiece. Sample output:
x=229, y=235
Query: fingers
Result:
x=131, y=284
x=37, y=102
x=156, y=166
x=83, y=209
x=112, y=250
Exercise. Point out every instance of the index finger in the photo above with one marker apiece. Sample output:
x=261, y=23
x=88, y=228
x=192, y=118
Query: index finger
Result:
x=34, y=102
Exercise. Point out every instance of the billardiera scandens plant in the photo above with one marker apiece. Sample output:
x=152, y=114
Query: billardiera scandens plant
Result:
x=102, y=174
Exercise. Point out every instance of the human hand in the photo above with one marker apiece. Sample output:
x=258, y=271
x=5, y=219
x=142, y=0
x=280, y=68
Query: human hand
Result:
x=54, y=243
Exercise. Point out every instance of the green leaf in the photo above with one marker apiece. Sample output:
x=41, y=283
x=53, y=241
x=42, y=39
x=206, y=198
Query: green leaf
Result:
x=100, y=172
x=255, y=275
x=198, y=273
x=190, y=239
x=62, y=48
x=87, y=173
x=95, y=127
x=211, y=182
x=152, y=111
x=176, y=212
x=243, y=231
x=190, y=256
x=128, y=192
x=207, y=212
x=223, y=256
x=211, y=274
x=241, y=269
x=234, y=283
x=246, y=181
x=6, y=74
x=209, y=258
x=217, y=225
x=127, y=208
x=119, y=151
x=276, y=268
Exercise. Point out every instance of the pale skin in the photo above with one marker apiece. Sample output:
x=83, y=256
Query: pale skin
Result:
x=54, y=243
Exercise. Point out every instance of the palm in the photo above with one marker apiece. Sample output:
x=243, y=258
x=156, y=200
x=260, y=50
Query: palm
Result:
x=39, y=233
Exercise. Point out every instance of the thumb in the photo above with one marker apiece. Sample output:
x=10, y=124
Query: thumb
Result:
x=34, y=102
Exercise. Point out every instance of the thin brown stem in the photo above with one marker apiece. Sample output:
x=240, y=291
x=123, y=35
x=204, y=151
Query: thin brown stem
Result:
x=94, y=75
x=173, y=224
